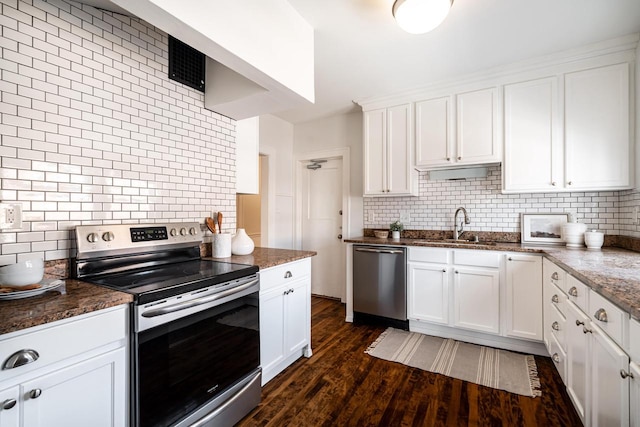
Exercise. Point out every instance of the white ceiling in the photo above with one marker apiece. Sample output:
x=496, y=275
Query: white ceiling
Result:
x=360, y=52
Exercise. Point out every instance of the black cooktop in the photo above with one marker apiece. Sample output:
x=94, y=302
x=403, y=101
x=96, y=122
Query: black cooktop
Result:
x=159, y=282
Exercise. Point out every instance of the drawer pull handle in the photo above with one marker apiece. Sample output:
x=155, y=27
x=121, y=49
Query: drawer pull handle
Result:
x=288, y=275
x=555, y=276
x=573, y=291
x=555, y=326
x=444, y=270
x=556, y=358
x=35, y=393
x=10, y=403
x=601, y=315
x=579, y=323
x=624, y=374
x=21, y=358
x=586, y=331
x=555, y=299
x=456, y=272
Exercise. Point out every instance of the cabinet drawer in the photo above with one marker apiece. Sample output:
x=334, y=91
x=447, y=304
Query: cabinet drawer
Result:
x=559, y=358
x=634, y=340
x=555, y=324
x=578, y=293
x=608, y=317
x=476, y=258
x=60, y=340
x=433, y=255
x=285, y=273
x=555, y=297
x=554, y=274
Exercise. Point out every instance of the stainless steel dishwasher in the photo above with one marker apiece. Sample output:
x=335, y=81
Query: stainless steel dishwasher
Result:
x=380, y=285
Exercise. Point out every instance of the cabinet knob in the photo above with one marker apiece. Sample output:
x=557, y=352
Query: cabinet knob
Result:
x=573, y=291
x=288, y=275
x=555, y=326
x=586, y=331
x=448, y=159
x=553, y=183
x=555, y=299
x=601, y=315
x=624, y=374
x=292, y=290
x=569, y=183
x=444, y=270
x=10, y=403
x=20, y=358
x=555, y=276
x=456, y=271
x=555, y=358
x=510, y=259
x=35, y=393
x=579, y=323
x=460, y=158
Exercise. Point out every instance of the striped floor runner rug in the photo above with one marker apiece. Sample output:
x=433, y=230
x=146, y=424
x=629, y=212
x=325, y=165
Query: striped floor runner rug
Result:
x=501, y=369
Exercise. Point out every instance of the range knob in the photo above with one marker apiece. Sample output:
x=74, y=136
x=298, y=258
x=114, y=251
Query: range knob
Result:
x=183, y=231
x=193, y=231
x=92, y=238
x=107, y=236
x=173, y=232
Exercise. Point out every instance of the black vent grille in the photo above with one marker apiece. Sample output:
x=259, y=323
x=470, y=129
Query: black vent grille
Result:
x=186, y=65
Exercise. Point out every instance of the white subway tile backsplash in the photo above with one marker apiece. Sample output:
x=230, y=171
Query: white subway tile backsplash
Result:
x=92, y=131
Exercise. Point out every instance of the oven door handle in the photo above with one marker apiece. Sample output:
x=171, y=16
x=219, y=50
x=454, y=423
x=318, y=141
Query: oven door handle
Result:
x=199, y=301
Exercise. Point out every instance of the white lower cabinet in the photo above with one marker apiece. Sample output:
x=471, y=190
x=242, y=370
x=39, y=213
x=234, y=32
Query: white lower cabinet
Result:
x=634, y=395
x=79, y=379
x=477, y=299
x=285, y=316
x=428, y=292
x=577, y=363
x=524, y=296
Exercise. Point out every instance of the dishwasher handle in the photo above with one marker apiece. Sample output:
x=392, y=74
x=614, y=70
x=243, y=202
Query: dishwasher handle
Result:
x=380, y=251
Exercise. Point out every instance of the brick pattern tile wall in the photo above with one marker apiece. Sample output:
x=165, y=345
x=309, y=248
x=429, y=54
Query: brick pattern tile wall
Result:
x=629, y=208
x=92, y=131
x=490, y=210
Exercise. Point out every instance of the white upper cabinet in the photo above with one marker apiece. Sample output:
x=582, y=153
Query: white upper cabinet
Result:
x=574, y=139
x=596, y=128
x=473, y=122
x=388, y=152
x=433, y=132
x=247, y=155
x=477, y=127
x=532, y=149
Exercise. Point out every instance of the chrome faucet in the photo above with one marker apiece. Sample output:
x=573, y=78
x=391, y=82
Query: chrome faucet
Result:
x=458, y=231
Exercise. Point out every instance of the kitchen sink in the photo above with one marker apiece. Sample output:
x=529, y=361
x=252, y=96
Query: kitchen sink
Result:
x=459, y=241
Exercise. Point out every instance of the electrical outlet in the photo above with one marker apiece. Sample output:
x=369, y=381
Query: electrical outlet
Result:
x=636, y=215
x=372, y=216
x=405, y=217
x=10, y=216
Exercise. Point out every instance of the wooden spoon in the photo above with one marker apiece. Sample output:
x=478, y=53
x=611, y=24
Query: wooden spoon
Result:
x=219, y=222
x=211, y=224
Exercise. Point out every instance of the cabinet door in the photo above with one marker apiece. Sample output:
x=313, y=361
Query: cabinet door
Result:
x=10, y=407
x=433, y=133
x=634, y=397
x=247, y=155
x=597, y=136
x=477, y=299
x=272, y=328
x=399, y=149
x=524, y=296
x=477, y=140
x=532, y=150
x=610, y=392
x=577, y=360
x=374, y=152
x=297, y=315
x=428, y=293
x=89, y=393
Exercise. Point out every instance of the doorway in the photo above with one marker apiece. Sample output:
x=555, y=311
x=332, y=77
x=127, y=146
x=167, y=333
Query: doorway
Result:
x=322, y=190
x=250, y=207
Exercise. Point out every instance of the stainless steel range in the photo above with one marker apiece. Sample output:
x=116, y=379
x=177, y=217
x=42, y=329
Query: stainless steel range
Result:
x=195, y=338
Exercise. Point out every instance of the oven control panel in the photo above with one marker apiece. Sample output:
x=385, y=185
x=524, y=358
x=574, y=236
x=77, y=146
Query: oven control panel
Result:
x=93, y=239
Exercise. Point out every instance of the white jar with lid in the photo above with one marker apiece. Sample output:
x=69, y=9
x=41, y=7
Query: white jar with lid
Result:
x=594, y=239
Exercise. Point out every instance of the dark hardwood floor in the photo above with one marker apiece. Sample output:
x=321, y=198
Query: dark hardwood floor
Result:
x=340, y=385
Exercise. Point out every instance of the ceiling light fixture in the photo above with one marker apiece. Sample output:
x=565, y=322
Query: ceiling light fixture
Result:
x=420, y=16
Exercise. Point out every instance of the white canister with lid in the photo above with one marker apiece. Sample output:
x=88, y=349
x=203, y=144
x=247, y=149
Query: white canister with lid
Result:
x=594, y=239
x=573, y=234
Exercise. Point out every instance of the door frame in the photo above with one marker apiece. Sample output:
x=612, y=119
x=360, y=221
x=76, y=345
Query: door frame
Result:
x=300, y=161
x=268, y=198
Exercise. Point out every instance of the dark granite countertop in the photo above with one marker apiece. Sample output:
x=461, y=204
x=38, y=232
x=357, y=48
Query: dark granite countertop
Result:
x=268, y=257
x=80, y=298
x=612, y=272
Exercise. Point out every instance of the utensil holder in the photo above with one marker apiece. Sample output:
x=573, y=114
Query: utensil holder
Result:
x=221, y=245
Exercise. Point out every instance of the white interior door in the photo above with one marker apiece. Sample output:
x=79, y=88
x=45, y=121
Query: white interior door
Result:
x=322, y=226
